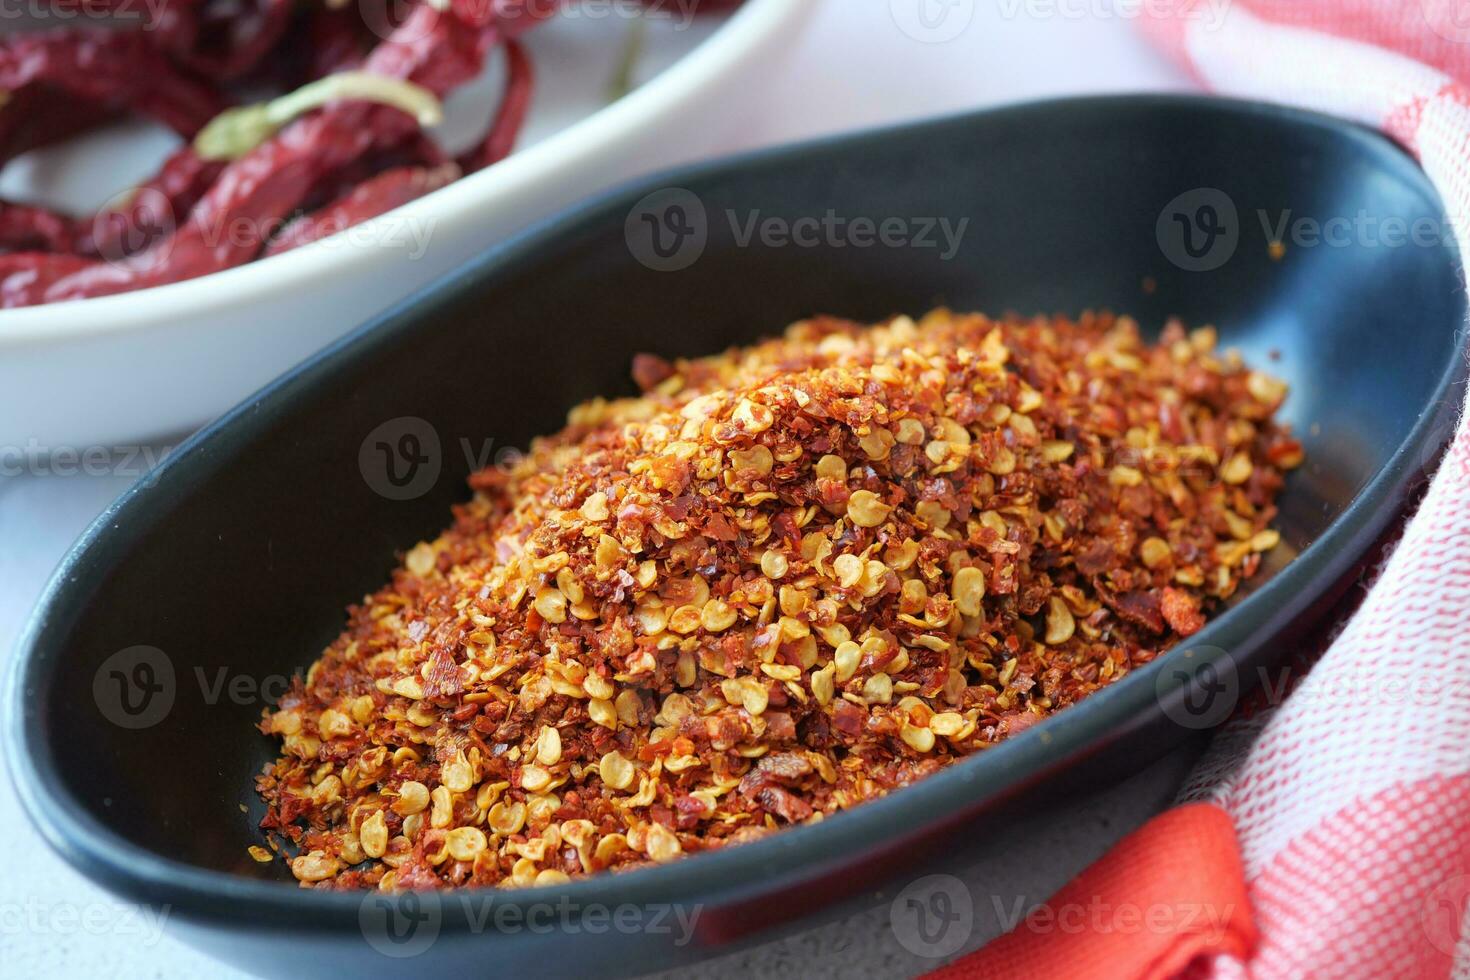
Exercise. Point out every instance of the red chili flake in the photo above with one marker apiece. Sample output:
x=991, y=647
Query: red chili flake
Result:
x=1181, y=612
x=784, y=581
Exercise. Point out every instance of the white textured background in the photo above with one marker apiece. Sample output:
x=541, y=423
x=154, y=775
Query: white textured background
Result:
x=855, y=68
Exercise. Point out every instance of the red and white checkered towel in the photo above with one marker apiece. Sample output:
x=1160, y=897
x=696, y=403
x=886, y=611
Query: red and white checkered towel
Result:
x=1350, y=802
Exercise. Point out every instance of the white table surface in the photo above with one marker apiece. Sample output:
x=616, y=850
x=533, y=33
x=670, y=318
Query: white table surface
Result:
x=855, y=68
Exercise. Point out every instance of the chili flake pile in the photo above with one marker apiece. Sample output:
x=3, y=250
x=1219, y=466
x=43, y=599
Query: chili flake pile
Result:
x=785, y=580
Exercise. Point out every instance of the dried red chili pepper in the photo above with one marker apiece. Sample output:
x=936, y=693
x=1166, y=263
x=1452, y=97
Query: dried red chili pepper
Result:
x=39, y=115
x=372, y=198
x=336, y=41
x=418, y=151
x=153, y=209
x=230, y=40
x=254, y=194
x=332, y=167
x=112, y=67
x=25, y=276
x=510, y=18
x=511, y=117
x=29, y=228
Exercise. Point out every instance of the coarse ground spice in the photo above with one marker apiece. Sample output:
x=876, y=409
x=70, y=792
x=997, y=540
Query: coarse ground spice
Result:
x=785, y=580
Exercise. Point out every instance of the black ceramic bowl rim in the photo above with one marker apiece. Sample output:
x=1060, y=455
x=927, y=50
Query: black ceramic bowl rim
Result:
x=733, y=873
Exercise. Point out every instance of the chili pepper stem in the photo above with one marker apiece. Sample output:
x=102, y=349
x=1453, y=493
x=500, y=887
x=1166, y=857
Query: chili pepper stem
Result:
x=235, y=132
x=622, y=80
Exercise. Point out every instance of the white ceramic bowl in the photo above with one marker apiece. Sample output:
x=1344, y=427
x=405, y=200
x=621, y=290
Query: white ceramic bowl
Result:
x=120, y=369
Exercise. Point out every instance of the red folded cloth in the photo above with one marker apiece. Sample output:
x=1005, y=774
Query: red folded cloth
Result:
x=1171, y=891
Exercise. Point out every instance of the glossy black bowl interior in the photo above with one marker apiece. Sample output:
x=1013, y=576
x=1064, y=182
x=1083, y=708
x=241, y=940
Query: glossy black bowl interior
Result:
x=237, y=558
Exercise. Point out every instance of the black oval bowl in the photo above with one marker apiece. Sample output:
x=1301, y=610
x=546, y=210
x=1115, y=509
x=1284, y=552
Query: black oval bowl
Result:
x=235, y=559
